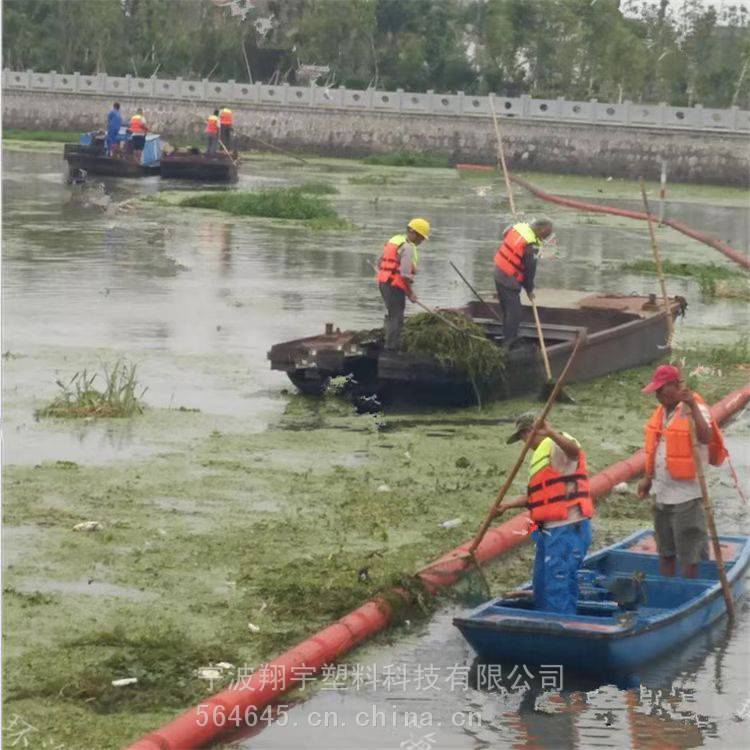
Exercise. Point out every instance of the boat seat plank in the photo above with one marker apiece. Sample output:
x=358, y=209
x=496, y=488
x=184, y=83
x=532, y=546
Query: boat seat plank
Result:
x=528, y=330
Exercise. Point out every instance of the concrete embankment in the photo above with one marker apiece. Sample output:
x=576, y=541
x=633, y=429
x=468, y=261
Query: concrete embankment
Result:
x=696, y=156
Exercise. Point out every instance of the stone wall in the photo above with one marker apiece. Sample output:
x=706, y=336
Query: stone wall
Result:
x=700, y=156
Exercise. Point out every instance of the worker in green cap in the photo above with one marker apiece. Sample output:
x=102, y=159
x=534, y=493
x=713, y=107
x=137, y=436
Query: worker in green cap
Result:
x=560, y=506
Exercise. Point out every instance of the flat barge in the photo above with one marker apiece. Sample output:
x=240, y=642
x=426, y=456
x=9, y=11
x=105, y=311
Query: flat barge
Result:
x=90, y=155
x=623, y=331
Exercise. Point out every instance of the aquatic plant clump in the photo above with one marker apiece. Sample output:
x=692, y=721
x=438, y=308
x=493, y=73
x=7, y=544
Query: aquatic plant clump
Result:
x=461, y=345
x=80, y=398
x=318, y=188
x=714, y=280
x=278, y=203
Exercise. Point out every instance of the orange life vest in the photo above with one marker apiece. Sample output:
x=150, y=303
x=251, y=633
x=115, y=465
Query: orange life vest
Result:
x=680, y=463
x=389, y=268
x=509, y=256
x=212, y=125
x=225, y=116
x=549, y=497
x=137, y=125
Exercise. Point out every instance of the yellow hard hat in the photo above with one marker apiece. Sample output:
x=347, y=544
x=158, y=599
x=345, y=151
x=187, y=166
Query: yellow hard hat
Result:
x=420, y=226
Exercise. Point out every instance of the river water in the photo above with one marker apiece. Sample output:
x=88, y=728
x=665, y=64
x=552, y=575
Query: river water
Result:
x=197, y=299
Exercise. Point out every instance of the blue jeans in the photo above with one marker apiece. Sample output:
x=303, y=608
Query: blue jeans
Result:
x=559, y=555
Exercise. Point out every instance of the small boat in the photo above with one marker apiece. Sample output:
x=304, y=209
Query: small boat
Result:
x=90, y=155
x=193, y=165
x=623, y=331
x=605, y=637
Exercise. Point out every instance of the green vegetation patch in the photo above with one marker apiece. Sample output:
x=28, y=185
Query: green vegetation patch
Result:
x=318, y=188
x=408, y=159
x=80, y=397
x=714, y=280
x=458, y=343
x=278, y=203
x=53, y=136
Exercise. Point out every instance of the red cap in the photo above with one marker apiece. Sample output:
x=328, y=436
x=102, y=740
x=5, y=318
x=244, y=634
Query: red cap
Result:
x=663, y=374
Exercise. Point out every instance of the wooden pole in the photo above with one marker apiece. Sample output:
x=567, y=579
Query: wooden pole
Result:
x=527, y=444
x=662, y=191
x=659, y=269
x=543, y=346
x=501, y=154
x=708, y=510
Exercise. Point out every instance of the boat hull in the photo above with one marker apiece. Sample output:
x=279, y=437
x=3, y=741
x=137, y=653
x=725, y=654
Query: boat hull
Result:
x=95, y=162
x=618, y=643
x=218, y=168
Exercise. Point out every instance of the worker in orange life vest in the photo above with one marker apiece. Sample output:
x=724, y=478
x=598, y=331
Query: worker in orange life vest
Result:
x=560, y=506
x=515, y=267
x=396, y=271
x=138, y=128
x=212, y=132
x=679, y=521
x=225, y=123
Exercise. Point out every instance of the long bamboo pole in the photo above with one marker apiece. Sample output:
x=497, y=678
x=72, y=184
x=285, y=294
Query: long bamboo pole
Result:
x=501, y=155
x=659, y=268
x=708, y=510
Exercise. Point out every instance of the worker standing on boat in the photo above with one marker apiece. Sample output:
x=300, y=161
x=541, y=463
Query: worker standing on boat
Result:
x=212, y=132
x=396, y=271
x=138, y=128
x=114, y=123
x=515, y=267
x=679, y=521
x=225, y=122
x=560, y=506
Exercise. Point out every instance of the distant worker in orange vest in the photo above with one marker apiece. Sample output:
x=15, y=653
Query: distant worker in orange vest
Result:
x=225, y=121
x=515, y=267
x=560, y=505
x=396, y=271
x=679, y=521
x=138, y=128
x=212, y=132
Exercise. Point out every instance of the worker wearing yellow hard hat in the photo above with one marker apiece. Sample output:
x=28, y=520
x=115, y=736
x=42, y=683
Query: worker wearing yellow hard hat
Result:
x=396, y=271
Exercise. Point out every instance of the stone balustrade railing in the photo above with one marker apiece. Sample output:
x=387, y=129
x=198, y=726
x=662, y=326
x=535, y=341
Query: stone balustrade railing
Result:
x=219, y=93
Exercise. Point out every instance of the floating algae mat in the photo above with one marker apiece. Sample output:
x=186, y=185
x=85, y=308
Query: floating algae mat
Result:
x=278, y=203
x=461, y=346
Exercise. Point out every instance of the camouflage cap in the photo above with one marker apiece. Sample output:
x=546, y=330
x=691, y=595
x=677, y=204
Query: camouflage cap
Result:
x=524, y=422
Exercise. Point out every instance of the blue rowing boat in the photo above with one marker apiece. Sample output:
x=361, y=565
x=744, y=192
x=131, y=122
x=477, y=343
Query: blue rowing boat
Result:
x=627, y=613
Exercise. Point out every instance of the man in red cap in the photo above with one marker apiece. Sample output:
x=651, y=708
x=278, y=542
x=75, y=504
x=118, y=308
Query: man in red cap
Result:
x=679, y=522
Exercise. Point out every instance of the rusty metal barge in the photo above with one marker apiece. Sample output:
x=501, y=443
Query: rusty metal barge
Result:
x=622, y=331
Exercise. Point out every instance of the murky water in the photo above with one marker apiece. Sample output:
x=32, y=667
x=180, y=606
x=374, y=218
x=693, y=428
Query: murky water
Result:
x=197, y=298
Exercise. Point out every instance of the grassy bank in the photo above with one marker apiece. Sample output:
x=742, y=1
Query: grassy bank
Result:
x=271, y=529
x=50, y=136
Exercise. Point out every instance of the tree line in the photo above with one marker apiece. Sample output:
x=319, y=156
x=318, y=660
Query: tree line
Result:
x=678, y=51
